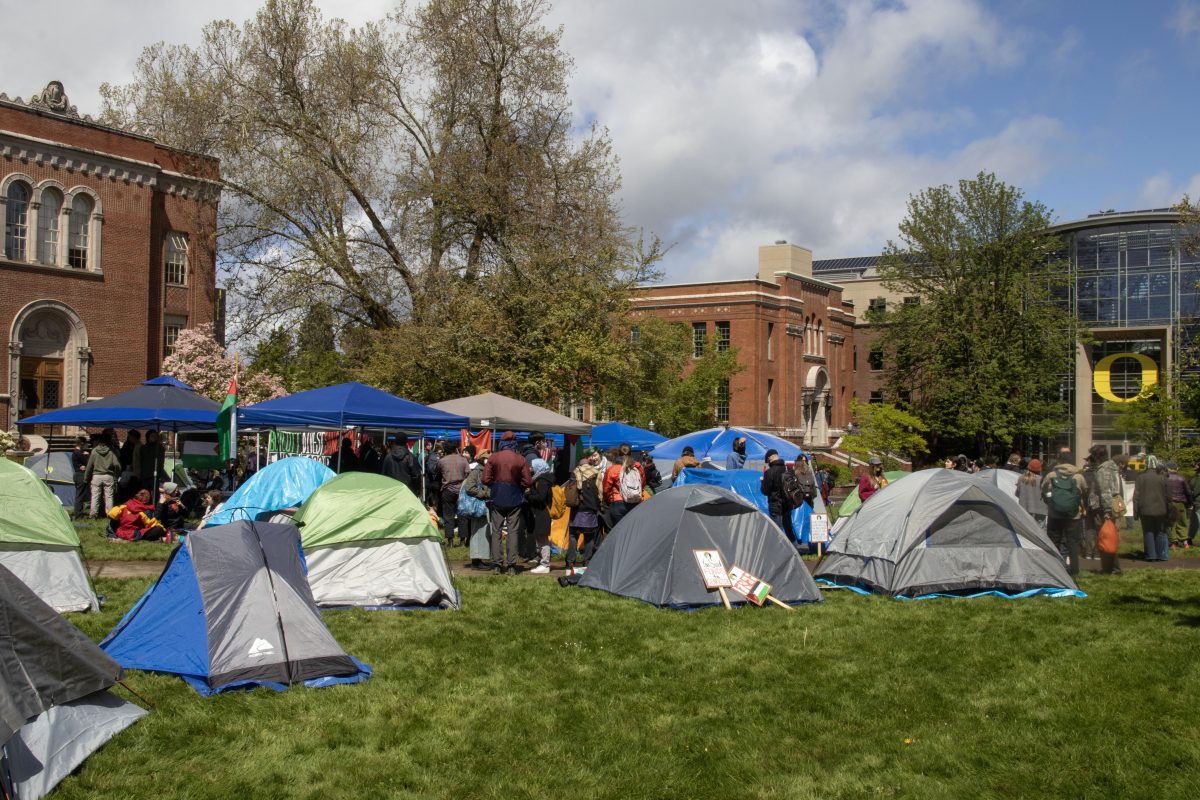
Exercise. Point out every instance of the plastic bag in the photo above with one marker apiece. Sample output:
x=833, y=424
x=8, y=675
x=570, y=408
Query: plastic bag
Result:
x=1108, y=540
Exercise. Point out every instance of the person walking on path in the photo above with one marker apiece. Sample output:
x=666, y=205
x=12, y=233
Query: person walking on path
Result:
x=1029, y=492
x=1111, y=487
x=1180, y=495
x=1066, y=493
x=103, y=469
x=1151, y=505
x=507, y=476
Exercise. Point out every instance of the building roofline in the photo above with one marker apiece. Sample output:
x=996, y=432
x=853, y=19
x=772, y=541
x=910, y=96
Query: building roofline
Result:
x=1116, y=218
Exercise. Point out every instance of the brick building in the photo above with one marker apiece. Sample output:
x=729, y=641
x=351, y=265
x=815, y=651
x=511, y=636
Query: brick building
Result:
x=108, y=251
x=794, y=334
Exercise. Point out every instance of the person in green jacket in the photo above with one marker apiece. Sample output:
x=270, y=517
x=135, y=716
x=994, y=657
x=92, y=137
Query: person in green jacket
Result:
x=103, y=469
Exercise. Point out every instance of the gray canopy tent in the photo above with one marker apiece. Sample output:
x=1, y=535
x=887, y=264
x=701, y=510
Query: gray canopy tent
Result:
x=648, y=555
x=500, y=413
x=944, y=532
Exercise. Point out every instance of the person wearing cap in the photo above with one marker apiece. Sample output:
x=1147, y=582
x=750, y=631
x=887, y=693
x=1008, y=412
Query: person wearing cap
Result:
x=686, y=459
x=871, y=480
x=771, y=485
x=1151, y=506
x=737, y=456
x=507, y=475
x=1029, y=491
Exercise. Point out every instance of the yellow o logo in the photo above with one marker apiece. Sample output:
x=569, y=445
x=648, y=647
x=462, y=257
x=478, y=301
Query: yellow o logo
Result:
x=1103, y=376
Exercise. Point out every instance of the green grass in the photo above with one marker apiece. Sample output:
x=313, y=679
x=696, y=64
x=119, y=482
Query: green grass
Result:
x=532, y=690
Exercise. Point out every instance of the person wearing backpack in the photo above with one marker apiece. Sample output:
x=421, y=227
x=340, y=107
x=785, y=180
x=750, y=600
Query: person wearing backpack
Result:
x=1066, y=493
x=624, y=483
x=1151, y=506
x=771, y=485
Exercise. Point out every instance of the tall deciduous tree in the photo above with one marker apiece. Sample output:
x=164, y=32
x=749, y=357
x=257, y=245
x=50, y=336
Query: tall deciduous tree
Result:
x=982, y=354
x=1154, y=420
x=421, y=176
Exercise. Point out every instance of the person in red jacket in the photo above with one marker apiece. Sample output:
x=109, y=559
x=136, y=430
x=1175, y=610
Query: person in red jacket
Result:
x=871, y=480
x=135, y=520
x=624, y=483
x=507, y=476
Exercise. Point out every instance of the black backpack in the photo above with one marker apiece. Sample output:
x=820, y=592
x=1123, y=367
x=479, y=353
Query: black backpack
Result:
x=792, y=490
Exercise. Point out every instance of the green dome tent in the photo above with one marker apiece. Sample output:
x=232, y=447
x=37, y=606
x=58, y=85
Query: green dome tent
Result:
x=370, y=542
x=39, y=544
x=851, y=503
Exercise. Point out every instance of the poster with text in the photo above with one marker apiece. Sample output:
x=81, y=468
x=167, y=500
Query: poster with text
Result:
x=818, y=532
x=712, y=569
x=749, y=586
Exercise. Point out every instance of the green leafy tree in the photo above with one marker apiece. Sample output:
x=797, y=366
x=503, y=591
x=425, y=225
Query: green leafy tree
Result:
x=1155, y=420
x=422, y=176
x=982, y=353
x=883, y=430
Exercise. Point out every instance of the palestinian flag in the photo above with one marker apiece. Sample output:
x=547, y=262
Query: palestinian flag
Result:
x=227, y=424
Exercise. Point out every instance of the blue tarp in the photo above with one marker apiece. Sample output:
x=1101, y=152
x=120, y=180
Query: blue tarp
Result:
x=745, y=483
x=1045, y=591
x=717, y=444
x=612, y=434
x=161, y=404
x=345, y=405
x=282, y=484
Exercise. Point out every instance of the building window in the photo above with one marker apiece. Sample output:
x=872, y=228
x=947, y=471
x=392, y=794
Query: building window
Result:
x=699, y=334
x=722, y=407
x=722, y=336
x=912, y=301
x=635, y=335
x=770, y=397
x=171, y=328
x=770, y=341
x=875, y=359
x=820, y=338
x=176, y=259
x=878, y=305
x=854, y=358
x=78, y=240
x=48, y=216
x=16, y=222
x=876, y=397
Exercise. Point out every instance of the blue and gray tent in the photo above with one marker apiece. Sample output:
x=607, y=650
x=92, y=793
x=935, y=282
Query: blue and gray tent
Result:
x=233, y=609
x=285, y=483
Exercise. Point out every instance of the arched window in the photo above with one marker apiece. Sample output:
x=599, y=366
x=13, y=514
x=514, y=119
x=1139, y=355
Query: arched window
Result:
x=821, y=338
x=78, y=239
x=16, y=222
x=48, y=216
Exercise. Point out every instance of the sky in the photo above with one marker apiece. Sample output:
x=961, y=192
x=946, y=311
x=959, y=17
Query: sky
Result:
x=742, y=122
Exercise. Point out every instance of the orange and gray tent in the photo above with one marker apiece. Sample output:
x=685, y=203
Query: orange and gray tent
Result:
x=55, y=709
x=941, y=532
x=649, y=554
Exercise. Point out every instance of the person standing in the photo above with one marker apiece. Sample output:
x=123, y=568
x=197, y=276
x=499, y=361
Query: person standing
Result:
x=538, y=500
x=737, y=456
x=1180, y=495
x=433, y=490
x=771, y=486
x=1029, y=492
x=148, y=461
x=1194, y=522
x=1093, y=517
x=451, y=469
x=624, y=483
x=79, y=461
x=1151, y=505
x=871, y=480
x=368, y=457
x=133, y=439
x=1066, y=492
x=1112, y=503
x=472, y=499
x=103, y=469
x=401, y=465
x=507, y=476
x=585, y=517
x=686, y=459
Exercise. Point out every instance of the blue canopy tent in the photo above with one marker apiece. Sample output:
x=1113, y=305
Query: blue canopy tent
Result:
x=613, y=434
x=717, y=444
x=346, y=405
x=163, y=403
x=745, y=483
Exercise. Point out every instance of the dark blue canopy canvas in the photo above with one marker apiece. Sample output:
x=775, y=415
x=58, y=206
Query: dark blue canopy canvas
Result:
x=343, y=406
x=717, y=444
x=745, y=483
x=160, y=403
x=612, y=434
x=233, y=608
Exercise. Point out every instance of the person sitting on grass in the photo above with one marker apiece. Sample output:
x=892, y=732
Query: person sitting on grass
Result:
x=134, y=522
x=171, y=511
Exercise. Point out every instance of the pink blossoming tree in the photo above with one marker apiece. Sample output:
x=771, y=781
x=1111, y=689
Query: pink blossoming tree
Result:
x=201, y=362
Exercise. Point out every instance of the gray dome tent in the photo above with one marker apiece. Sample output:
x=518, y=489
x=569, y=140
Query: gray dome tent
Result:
x=648, y=554
x=944, y=532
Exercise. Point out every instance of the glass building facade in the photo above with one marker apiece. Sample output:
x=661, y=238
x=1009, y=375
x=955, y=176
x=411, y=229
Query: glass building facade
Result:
x=1134, y=287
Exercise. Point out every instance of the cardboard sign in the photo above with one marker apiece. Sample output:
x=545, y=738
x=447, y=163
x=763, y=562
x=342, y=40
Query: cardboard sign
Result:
x=818, y=532
x=754, y=589
x=712, y=569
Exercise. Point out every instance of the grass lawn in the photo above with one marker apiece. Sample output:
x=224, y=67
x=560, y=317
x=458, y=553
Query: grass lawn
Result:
x=532, y=690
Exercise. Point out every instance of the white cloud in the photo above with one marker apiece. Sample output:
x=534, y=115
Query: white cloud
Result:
x=1186, y=19
x=1161, y=190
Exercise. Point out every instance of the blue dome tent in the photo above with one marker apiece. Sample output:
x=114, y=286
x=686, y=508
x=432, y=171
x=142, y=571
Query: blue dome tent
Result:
x=285, y=483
